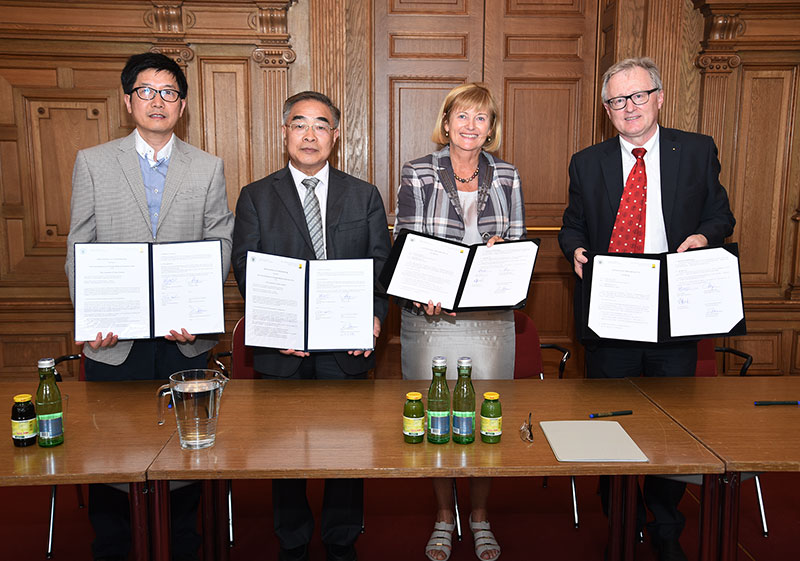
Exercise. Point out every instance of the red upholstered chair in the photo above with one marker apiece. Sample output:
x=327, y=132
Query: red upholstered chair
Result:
x=528, y=363
x=528, y=354
x=242, y=369
x=707, y=360
x=241, y=356
x=707, y=366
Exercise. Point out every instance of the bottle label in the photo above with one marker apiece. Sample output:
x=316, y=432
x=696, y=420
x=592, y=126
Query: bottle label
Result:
x=491, y=426
x=464, y=423
x=50, y=426
x=21, y=430
x=413, y=426
x=439, y=422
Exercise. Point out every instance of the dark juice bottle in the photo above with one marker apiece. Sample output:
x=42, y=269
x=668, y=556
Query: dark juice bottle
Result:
x=439, y=403
x=23, y=421
x=464, y=404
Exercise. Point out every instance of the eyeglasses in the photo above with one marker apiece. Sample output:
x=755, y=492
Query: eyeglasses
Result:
x=638, y=98
x=298, y=127
x=147, y=93
x=526, y=430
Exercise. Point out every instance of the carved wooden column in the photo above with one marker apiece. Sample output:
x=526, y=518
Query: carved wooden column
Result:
x=674, y=32
x=169, y=22
x=273, y=54
x=328, y=63
x=717, y=64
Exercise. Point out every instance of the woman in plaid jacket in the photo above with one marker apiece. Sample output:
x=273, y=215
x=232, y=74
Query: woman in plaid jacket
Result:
x=461, y=193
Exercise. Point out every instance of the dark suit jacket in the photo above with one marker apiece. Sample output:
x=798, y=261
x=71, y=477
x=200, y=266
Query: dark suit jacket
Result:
x=693, y=200
x=270, y=219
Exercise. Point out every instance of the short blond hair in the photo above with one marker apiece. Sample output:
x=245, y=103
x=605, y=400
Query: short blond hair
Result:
x=469, y=96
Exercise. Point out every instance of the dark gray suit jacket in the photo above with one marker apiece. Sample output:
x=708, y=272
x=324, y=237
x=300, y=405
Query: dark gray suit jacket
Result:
x=270, y=219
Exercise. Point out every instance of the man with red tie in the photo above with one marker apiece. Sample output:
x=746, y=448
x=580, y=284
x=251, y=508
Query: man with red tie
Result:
x=648, y=190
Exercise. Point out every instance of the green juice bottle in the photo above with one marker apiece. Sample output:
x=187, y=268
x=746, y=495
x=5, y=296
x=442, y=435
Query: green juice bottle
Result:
x=464, y=404
x=49, y=413
x=439, y=403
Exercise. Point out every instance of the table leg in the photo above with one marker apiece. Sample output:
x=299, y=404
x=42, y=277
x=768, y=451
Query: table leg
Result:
x=209, y=518
x=630, y=496
x=140, y=545
x=709, y=518
x=221, y=503
x=729, y=528
x=615, y=517
x=159, y=520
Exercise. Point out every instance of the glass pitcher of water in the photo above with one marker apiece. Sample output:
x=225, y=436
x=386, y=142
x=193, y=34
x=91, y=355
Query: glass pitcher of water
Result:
x=195, y=396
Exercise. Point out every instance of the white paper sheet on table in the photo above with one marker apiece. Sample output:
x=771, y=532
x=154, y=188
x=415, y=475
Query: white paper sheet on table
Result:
x=591, y=441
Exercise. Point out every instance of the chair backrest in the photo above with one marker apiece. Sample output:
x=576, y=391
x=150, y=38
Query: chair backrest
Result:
x=528, y=353
x=81, y=364
x=241, y=355
x=706, y=358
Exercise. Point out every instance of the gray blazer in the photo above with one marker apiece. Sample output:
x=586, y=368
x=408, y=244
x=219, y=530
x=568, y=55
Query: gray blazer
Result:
x=109, y=205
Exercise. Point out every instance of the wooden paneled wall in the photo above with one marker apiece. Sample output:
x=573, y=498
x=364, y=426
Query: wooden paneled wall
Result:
x=730, y=69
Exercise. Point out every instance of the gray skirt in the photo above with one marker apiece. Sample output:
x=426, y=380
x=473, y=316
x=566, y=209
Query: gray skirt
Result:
x=486, y=337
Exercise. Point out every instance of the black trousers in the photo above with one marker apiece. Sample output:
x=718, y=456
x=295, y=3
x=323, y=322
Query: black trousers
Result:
x=109, y=510
x=343, y=499
x=661, y=496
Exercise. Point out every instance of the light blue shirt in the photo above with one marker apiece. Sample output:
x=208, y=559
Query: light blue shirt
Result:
x=154, y=175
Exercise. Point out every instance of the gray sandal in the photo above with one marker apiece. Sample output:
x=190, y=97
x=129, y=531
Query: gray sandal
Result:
x=441, y=540
x=484, y=539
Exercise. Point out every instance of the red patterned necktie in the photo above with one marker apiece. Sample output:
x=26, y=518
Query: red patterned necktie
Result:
x=628, y=234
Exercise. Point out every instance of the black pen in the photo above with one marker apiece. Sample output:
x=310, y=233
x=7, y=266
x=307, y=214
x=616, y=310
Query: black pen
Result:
x=776, y=402
x=610, y=414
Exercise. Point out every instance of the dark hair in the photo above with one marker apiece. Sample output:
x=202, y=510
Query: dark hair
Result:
x=316, y=96
x=145, y=61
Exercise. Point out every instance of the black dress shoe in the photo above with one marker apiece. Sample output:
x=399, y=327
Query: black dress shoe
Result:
x=341, y=552
x=299, y=553
x=670, y=550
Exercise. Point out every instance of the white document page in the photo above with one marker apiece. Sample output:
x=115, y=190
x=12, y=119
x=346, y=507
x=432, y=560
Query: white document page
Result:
x=428, y=270
x=340, y=314
x=591, y=441
x=112, y=290
x=187, y=287
x=274, y=305
x=705, y=292
x=499, y=275
x=624, y=298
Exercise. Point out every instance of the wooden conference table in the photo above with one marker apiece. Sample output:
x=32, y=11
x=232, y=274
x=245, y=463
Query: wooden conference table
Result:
x=352, y=429
x=111, y=436
x=720, y=413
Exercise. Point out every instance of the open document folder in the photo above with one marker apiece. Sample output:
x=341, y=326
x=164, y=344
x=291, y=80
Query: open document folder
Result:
x=663, y=297
x=463, y=278
x=144, y=290
x=591, y=441
x=304, y=305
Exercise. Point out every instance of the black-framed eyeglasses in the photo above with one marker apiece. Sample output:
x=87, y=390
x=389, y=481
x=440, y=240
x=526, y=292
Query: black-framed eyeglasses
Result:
x=147, y=93
x=638, y=98
x=299, y=127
